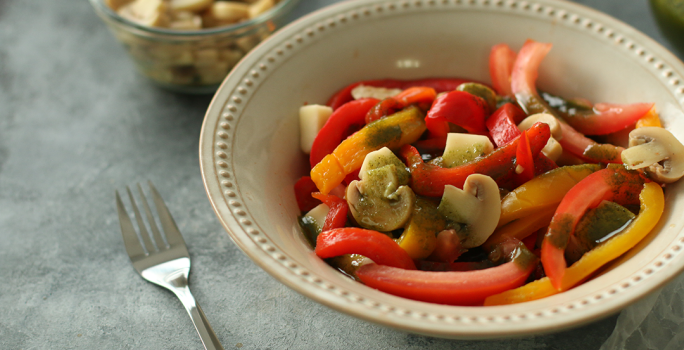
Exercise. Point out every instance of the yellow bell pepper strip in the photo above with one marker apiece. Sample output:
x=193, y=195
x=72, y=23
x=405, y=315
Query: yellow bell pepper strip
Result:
x=650, y=119
x=394, y=131
x=520, y=229
x=420, y=236
x=652, y=206
x=544, y=191
x=614, y=183
x=451, y=287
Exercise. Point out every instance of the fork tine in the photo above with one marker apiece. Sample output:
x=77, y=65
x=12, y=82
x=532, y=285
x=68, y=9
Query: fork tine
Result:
x=173, y=235
x=141, y=225
x=131, y=242
x=150, y=219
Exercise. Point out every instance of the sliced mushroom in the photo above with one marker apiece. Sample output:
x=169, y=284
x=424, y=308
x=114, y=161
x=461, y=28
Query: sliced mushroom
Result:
x=366, y=91
x=527, y=123
x=552, y=149
x=381, y=200
x=657, y=149
x=473, y=211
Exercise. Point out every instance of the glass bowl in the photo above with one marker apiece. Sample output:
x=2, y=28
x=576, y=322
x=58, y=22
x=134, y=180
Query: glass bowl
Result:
x=191, y=61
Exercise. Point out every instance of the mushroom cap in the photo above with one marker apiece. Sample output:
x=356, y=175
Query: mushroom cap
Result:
x=477, y=207
x=380, y=213
x=657, y=150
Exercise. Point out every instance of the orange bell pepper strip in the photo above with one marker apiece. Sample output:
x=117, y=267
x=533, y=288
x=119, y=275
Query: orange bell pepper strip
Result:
x=613, y=184
x=650, y=119
x=399, y=129
x=544, y=191
x=520, y=229
x=652, y=206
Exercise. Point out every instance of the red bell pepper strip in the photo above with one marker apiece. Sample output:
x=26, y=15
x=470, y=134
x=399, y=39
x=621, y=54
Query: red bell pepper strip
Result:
x=531, y=240
x=416, y=95
x=524, y=161
x=543, y=164
x=343, y=122
x=613, y=184
x=303, y=189
x=383, y=108
x=451, y=288
x=608, y=118
x=425, y=265
x=503, y=124
x=372, y=244
x=419, y=95
x=448, y=247
x=523, y=78
x=429, y=179
x=439, y=84
x=337, y=215
x=501, y=60
x=587, y=149
x=458, y=107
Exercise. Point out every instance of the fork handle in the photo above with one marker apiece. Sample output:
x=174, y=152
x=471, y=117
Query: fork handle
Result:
x=206, y=333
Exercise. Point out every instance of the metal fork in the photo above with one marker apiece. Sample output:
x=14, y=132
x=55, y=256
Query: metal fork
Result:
x=166, y=263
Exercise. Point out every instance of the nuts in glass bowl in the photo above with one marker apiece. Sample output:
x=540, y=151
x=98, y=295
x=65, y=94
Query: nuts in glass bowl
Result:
x=190, y=45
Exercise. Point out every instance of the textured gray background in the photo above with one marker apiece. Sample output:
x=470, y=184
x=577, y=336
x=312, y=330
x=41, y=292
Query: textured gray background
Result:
x=76, y=123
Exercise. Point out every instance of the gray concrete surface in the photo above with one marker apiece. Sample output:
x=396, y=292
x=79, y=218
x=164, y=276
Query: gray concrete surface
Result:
x=76, y=123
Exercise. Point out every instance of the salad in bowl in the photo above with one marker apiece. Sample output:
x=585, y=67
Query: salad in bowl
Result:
x=452, y=191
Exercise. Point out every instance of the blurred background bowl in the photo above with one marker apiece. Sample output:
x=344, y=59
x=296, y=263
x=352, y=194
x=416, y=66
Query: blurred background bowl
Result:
x=250, y=156
x=191, y=61
x=669, y=15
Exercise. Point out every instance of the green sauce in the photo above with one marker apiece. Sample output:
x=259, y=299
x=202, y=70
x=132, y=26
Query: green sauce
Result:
x=380, y=135
x=669, y=15
x=310, y=229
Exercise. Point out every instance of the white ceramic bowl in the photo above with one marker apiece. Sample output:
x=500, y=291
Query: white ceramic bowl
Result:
x=250, y=156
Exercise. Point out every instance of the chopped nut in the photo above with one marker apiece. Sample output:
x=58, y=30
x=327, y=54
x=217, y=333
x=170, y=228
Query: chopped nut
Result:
x=232, y=57
x=190, y=5
x=226, y=12
x=260, y=7
x=205, y=57
x=153, y=13
x=186, y=21
x=213, y=74
x=247, y=43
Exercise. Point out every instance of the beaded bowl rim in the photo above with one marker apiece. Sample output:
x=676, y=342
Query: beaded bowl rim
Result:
x=443, y=321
